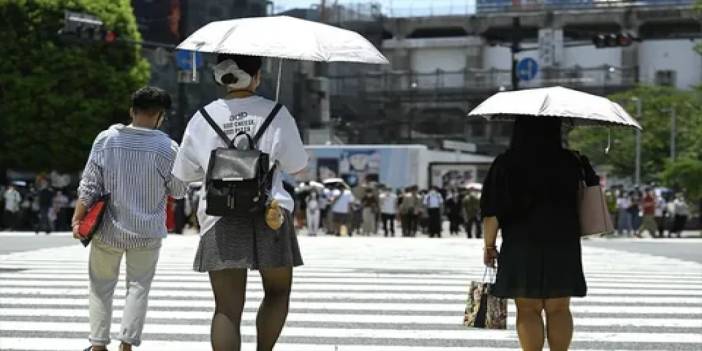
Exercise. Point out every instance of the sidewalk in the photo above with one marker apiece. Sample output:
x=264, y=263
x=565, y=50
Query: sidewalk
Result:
x=688, y=234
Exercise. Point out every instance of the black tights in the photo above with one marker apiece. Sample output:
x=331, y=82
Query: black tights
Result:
x=229, y=287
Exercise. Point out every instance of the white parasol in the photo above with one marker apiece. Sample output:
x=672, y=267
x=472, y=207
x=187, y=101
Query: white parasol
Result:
x=316, y=185
x=581, y=108
x=474, y=186
x=283, y=37
x=334, y=181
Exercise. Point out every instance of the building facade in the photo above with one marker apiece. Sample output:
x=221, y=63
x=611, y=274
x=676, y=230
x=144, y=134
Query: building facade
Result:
x=165, y=23
x=443, y=66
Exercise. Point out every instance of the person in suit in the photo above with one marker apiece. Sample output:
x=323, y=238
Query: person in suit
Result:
x=454, y=211
x=434, y=203
x=530, y=193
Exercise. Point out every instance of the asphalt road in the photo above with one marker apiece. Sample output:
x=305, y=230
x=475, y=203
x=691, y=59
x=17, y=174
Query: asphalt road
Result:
x=688, y=249
x=683, y=249
x=357, y=294
x=30, y=241
x=360, y=293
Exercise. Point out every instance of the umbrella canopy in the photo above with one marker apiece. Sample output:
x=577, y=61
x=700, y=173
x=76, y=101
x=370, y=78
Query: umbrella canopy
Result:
x=474, y=186
x=334, y=181
x=316, y=185
x=582, y=108
x=283, y=37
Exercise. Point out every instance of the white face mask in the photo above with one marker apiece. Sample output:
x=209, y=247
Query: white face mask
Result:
x=229, y=74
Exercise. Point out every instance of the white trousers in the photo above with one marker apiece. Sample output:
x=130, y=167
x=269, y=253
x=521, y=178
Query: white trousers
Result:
x=104, y=274
x=313, y=221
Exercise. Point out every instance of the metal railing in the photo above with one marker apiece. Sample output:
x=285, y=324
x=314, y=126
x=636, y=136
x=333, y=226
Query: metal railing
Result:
x=491, y=6
x=471, y=7
x=478, y=79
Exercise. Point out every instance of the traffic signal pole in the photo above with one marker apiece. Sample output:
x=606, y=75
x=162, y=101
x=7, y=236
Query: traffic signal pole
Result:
x=515, y=48
x=181, y=118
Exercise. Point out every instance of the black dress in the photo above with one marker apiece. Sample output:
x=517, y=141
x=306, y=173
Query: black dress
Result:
x=534, y=200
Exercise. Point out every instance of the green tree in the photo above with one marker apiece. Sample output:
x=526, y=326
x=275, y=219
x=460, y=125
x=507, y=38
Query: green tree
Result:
x=656, y=123
x=56, y=95
x=684, y=174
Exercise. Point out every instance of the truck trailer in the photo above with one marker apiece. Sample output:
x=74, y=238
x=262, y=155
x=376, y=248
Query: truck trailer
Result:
x=396, y=166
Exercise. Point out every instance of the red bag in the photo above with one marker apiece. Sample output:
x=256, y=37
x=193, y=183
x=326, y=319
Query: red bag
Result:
x=92, y=219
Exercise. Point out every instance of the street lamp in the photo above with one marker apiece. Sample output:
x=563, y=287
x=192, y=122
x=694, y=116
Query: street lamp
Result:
x=637, y=170
x=673, y=129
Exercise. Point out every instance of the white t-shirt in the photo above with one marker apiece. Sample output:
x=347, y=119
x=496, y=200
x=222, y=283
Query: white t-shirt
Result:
x=433, y=200
x=660, y=207
x=680, y=208
x=281, y=141
x=623, y=203
x=344, y=201
x=313, y=204
x=12, y=200
x=388, y=203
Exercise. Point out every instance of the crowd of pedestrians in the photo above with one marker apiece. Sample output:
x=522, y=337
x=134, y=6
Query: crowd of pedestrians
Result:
x=651, y=211
x=368, y=210
x=374, y=209
x=37, y=207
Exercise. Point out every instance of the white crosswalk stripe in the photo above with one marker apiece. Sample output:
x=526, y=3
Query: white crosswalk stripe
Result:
x=356, y=294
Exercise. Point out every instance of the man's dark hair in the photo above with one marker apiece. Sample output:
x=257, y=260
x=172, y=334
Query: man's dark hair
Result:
x=250, y=64
x=150, y=100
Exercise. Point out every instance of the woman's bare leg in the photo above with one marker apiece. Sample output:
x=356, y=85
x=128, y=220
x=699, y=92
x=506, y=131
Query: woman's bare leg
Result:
x=559, y=323
x=530, y=324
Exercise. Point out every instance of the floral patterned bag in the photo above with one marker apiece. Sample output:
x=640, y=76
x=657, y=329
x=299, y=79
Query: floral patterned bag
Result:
x=484, y=310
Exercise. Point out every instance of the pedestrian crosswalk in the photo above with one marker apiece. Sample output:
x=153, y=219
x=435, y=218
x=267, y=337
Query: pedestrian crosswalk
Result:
x=356, y=294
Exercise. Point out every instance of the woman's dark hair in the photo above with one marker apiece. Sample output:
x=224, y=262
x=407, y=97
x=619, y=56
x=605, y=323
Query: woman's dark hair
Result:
x=150, y=100
x=250, y=64
x=536, y=134
x=537, y=170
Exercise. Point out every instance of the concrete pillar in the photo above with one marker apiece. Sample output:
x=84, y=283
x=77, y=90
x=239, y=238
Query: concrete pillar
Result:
x=551, y=51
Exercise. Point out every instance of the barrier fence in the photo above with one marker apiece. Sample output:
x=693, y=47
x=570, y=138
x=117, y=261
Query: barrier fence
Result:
x=476, y=79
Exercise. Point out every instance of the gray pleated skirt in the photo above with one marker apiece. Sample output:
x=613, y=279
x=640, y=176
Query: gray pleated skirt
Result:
x=247, y=242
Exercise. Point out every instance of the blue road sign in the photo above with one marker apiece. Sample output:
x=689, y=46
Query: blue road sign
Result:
x=184, y=59
x=527, y=69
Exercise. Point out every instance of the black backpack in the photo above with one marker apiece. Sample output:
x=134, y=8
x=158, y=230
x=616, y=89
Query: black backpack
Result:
x=238, y=181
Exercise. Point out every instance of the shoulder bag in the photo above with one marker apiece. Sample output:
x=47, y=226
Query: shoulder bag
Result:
x=592, y=207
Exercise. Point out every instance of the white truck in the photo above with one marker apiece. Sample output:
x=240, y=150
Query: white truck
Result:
x=397, y=166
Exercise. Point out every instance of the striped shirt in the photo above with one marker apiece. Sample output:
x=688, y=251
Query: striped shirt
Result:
x=134, y=166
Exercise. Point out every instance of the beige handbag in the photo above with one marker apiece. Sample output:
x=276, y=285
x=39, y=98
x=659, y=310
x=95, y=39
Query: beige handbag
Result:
x=592, y=208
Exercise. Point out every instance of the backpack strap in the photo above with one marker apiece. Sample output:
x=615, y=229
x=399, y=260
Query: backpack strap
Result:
x=216, y=128
x=266, y=123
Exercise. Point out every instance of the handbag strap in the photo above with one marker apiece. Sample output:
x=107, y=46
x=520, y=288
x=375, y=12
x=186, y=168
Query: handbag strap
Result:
x=581, y=166
x=491, y=276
